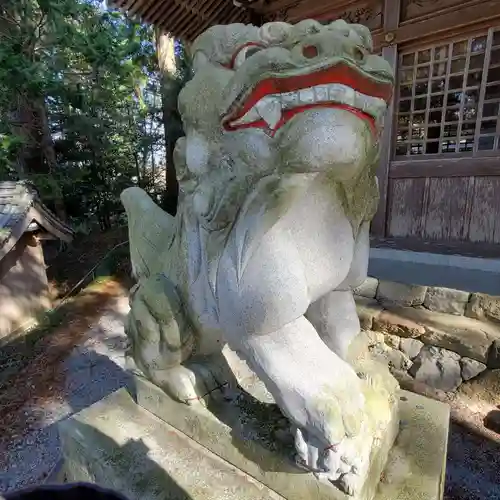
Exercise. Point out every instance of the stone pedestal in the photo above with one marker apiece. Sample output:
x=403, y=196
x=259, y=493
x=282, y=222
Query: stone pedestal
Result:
x=162, y=449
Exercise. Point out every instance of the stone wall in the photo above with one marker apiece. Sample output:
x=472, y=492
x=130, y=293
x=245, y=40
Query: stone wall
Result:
x=438, y=336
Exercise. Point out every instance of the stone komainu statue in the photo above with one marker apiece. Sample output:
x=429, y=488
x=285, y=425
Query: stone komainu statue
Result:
x=277, y=190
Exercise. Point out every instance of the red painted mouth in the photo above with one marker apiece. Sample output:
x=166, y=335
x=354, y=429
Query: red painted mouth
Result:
x=339, y=74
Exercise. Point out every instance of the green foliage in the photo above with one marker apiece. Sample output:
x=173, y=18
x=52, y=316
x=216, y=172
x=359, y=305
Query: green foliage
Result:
x=80, y=105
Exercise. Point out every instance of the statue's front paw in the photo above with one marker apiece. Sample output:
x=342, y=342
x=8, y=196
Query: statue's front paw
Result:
x=314, y=456
x=192, y=382
x=344, y=464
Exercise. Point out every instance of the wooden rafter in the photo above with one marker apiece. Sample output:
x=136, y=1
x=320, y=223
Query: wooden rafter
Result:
x=185, y=18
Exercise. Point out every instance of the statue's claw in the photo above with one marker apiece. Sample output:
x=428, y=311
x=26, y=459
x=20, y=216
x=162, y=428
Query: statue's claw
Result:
x=340, y=463
x=193, y=382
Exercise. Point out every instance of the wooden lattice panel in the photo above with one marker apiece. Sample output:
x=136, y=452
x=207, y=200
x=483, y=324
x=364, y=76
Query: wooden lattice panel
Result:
x=448, y=98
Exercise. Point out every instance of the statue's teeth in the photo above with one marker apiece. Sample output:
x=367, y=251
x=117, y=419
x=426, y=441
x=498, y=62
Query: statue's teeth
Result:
x=270, y=110
x=349, y=96
x=321, y=93
x=290, y=99
x=306, y=96
x=336, y=92
x=362, y=102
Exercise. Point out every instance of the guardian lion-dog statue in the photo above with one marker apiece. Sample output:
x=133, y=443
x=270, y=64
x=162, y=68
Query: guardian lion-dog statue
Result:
x=277, y=190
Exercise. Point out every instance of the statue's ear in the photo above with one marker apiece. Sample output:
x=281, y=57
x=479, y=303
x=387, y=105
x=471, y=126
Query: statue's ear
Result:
x=197, y=153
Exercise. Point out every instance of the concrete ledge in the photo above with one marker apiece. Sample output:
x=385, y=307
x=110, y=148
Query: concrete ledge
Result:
x=421, y=268
x=249, y=434
x=117, y=444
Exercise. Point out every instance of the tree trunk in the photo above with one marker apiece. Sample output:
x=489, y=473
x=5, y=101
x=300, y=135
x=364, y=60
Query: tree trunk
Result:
x=165, y=48
x=47, y=147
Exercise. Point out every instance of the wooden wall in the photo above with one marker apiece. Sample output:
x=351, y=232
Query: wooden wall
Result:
x=23, y=285
x=430, y=191
x=445, y=209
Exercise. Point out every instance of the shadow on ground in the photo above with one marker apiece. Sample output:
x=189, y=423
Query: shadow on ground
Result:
x=150, y=480
x=473, y=467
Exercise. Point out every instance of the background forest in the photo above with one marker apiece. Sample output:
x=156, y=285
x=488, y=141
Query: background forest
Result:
x=84, y=108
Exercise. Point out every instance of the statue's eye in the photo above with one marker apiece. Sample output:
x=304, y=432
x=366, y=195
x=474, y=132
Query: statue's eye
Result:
x=244, y=53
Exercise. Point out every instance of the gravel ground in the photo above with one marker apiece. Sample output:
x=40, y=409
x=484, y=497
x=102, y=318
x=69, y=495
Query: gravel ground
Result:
x=96, y=369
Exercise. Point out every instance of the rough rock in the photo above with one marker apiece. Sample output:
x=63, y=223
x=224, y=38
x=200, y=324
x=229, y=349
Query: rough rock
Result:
x=392, y=340
x=368, y=288
x=471, y=368
x=483, y=307
x=402, y=376
x=485, y=387
x=397, y=324
x=446, y=300
x=411, y=347
x=367, y=310
x=401, y=294
x=494, y=355
x=470, y=343
x=408, y=383
x=465, y=336
x=438, y=368
x=394, y=358
x=373, y=338
x=492, y=421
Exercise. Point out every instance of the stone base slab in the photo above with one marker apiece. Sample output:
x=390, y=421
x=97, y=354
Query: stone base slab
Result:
x=255, y=437
x=118, y=444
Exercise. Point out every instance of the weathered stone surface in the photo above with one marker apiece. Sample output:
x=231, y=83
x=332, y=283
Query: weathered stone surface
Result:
x=392, y=340
x=408, y=383
x=470, y=343
x=274, y=212
x=492, y=421
x=484, y=307
x=243, y=432
x=485, y=387
x=465, y=336
x=116, y=444
x=372, y=337
x=403, y=377
x=411, y=347
x=471, y=368
x=394, y=358
x=401, y=294
x=438, y=368
x=424, y=427
x=446, y=300
x=367, y=310
x=397, y=324
x=368, y=288
x=494, y=355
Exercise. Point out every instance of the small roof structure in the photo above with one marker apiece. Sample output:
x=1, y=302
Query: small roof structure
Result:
x=21, y=210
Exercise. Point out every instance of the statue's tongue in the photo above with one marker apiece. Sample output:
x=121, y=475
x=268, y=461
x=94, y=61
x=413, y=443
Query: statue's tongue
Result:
x=319, y=137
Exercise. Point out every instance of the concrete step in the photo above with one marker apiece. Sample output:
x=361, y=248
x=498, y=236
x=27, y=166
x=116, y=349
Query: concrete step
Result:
x=117, y=444
x=473, y=274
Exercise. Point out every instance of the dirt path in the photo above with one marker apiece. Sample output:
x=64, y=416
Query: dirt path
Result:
x=80, y=362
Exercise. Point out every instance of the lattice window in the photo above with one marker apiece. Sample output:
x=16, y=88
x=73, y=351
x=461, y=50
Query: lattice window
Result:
x=448, y=98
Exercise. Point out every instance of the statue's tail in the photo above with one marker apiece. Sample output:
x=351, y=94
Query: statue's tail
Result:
x=150, y=231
